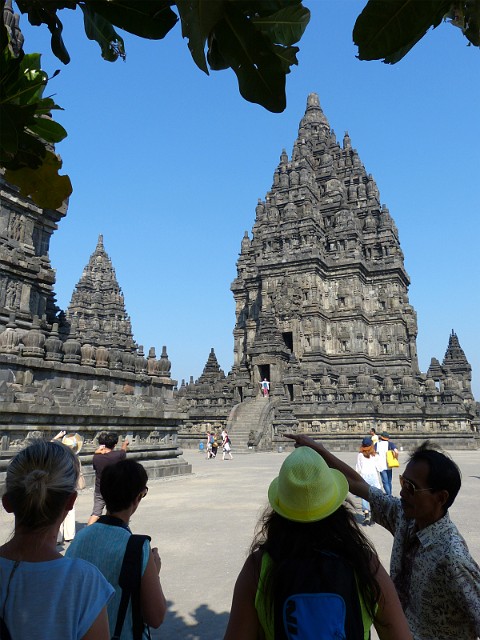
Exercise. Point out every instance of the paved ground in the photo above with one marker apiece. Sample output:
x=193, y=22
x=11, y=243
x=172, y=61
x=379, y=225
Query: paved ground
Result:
x=203, y=525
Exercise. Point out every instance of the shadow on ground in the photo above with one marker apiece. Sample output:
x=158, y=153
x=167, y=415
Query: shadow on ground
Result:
x=205, y=625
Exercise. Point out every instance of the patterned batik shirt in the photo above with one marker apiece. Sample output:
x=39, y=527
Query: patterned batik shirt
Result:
x=437, y=580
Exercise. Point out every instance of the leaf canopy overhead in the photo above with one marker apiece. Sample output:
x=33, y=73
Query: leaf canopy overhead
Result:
x=255, y=38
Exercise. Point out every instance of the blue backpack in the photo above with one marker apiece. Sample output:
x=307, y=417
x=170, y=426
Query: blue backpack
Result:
x=320, y=603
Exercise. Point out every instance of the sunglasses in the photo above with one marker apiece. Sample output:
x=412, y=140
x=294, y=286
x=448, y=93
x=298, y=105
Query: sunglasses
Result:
x=144, y=493
x=410, y=487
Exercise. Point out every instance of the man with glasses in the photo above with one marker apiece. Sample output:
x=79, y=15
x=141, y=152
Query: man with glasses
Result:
x=437, y=580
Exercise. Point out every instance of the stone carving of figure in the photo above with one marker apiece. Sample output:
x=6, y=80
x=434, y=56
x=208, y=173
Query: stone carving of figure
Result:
x=17, y=230
x=12, y=294
x=34, y=298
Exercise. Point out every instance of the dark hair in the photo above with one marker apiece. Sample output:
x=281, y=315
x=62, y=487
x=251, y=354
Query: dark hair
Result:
x=288, y=542
x=372, y=429
x=443, y=473
x=108, y=438
x=121, y=483
x=39, y=480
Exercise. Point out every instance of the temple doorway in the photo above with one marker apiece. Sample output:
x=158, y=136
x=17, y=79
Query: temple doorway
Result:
x=264, y=373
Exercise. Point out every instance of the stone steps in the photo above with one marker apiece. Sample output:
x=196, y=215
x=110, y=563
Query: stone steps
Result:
x=244, y=418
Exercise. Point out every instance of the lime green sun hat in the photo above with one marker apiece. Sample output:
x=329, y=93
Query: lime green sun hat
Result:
x=306, y=488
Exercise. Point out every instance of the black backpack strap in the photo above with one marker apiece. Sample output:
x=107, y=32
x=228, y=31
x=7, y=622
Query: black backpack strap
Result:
x=130, y=580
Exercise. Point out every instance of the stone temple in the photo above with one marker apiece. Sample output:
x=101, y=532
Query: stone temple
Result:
x=322, y=312
x=81, y=370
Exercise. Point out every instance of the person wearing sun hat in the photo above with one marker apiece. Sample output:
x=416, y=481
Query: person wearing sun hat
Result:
x=73, y=441
x=309, y=546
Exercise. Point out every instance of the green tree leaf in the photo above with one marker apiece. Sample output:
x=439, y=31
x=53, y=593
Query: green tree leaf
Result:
x=9, y=144
x=388, y=29
x=57, y=44
x=150, y=19
x=215, y=57
x=99, y=29
x=48, y=130
x=285, y=26
x=466, y=15
x=250, y=54
x=198, y=20
x=26, y=129
x=287, y=56
x=43, y=185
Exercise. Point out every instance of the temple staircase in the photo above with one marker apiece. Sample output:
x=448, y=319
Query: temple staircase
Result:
x=248, y=423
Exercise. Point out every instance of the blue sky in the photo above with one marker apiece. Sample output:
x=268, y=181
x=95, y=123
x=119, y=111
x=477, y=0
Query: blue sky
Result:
x=168, y=163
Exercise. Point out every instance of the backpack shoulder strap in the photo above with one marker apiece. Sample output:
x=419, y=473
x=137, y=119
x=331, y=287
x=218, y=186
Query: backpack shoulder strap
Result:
x=129, y=580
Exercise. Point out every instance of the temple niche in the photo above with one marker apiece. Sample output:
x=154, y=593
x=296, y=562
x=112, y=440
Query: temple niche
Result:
x=322, y=311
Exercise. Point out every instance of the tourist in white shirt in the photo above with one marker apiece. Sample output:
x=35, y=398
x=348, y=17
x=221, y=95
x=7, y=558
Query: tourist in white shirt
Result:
x=367, y=467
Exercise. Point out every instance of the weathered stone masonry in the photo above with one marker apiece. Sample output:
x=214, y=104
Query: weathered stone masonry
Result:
x=322, y=311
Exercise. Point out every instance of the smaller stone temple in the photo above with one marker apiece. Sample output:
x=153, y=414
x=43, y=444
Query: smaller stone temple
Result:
x=79, y=370
x=323, y=313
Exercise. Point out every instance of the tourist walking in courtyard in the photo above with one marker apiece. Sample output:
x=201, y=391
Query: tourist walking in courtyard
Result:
x=383, y=446
x=103, y=457
x=104, y=544
x=437, y=580
x=367, y=467
x=210, y=440
x=310, y=565
x=43, y=594
x=226, y=445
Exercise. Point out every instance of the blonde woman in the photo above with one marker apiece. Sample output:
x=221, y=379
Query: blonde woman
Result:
x=43, y=594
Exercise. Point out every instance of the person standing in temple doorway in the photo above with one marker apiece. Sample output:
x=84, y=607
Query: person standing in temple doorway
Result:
x=265, y=385
x=103, y=457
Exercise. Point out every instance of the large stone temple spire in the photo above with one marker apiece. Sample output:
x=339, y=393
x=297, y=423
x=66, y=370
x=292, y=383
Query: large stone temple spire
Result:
x=322, y=312
x=325, y=259
x=97, y=308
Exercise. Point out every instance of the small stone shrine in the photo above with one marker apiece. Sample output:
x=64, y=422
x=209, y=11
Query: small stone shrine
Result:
x=79, y=371
x=322, y=312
